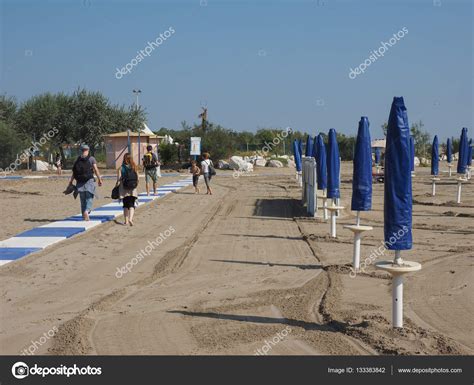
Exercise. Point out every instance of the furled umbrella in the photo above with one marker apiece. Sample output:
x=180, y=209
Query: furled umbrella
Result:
x=378, y=153
x=309, y=146
x=412, y=155
x=333, y=169
x=297, y=154
x=321, y=171
x=462, y=162
x=434, y=164
x=462, y=156
x=361, y=185
x=469, y=158
x=449, y=154
x=398, y=203
x=314, y=150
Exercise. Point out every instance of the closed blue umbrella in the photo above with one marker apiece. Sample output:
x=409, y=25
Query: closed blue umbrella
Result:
x=412, y=154
x=469, y=153
x=300, y=148
x=463, y=149
x=314, y=151
x=362, y=176
x=398, y=189
x=378, y=154
x=309, y=146
x=435, y=156
x=297, y=154
x=333, y=165
x=449, y=151
x=322, y=177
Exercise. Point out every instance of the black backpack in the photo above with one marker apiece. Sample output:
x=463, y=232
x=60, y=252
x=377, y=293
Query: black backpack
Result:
x=150, y=161
x=129, y=178
x=82, y=170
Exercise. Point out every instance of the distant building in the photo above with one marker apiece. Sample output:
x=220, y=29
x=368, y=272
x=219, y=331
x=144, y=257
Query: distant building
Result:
x=116, y=145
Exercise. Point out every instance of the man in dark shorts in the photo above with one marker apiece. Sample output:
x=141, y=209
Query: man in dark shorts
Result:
x=150, y=164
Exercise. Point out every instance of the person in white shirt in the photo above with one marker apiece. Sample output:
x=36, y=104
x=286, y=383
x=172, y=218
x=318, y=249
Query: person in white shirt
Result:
x=206, y=162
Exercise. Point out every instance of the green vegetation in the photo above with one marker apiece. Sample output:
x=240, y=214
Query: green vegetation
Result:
x=83, y=117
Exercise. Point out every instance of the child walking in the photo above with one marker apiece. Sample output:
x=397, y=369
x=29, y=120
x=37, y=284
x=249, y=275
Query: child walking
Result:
x=196, y=171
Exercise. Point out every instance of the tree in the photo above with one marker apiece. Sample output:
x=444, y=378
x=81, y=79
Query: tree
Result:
x=422, y=139
x=8, y=108
x=11, y=146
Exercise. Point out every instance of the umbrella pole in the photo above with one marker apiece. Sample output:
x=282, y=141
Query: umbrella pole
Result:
x=397, y=293
x=397, y=301
x=333, y=209
x=459, y=192
x=433, y=186
x=449, y=166
x=333, y=221
x=325, y=205
x=357, y=229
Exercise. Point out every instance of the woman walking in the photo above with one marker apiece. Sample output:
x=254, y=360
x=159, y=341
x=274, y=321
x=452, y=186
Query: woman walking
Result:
x=59, y=163
x=127, y=180
x=206, y=166
x=196, y=171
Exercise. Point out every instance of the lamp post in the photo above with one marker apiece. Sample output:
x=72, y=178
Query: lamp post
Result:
x=137, y=92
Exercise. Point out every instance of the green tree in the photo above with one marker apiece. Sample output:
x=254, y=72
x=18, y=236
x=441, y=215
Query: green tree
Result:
x=8, y=108
x=11, y=145
x=422, y=139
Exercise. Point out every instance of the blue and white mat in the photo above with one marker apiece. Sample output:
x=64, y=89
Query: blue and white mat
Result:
x=43, y=236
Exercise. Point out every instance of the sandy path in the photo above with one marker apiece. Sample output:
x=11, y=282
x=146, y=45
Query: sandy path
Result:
x=241, y=267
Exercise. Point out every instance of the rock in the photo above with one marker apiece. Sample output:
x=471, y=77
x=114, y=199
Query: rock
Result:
x=239, y=164
x=285, y=157
x=223, y=165
x=417, y=161
x=260, y=162
x=40, y=165
x=290, y=163
x=274, y=163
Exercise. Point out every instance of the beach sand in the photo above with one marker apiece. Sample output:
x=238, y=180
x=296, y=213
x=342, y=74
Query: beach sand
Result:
x=243, y=269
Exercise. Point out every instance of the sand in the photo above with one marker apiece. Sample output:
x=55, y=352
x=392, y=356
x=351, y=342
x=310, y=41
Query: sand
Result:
x=244, y=271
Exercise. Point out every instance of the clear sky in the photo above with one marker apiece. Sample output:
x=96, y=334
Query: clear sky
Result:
x=261, y=63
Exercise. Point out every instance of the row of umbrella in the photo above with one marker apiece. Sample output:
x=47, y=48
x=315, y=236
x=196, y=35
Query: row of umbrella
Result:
x=399, y=164
x=464, y=161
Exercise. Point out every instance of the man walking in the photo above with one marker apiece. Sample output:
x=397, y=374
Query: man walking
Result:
x=83, y=172
x=150, y=164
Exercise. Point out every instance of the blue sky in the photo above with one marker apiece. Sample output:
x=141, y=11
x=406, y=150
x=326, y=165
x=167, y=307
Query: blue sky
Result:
x=260, y=63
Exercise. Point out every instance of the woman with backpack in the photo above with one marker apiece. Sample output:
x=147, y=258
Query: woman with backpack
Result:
x=127, y=180
x=83, y=172
x=207, y=169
